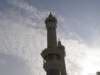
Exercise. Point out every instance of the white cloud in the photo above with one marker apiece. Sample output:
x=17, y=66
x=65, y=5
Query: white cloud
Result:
x=23, y=34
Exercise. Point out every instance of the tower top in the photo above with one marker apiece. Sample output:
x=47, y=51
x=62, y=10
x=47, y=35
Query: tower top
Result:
x=50, y=19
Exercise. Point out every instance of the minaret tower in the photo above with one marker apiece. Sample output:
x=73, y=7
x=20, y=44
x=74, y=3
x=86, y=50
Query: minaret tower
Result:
x=53, y=55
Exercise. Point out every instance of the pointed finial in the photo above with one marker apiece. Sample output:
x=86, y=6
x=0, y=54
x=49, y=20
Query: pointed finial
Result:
x=50, y=15
x=51, y=18
x=59, y=43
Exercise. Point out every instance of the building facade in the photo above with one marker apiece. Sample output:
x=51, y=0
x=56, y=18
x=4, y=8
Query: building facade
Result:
x=54, y=54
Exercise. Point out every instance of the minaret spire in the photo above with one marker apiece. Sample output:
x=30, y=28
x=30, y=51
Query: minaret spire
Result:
x=53, y=55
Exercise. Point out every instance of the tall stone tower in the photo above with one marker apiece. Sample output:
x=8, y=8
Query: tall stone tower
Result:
x=53, y=55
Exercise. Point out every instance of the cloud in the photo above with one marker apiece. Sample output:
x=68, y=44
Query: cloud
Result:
x=23, y=34
x=12, y=65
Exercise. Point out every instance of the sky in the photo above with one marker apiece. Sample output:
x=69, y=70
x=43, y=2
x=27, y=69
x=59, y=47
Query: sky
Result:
x=23, y=35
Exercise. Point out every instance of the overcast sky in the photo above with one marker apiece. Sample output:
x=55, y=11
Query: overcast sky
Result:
x=23, y=35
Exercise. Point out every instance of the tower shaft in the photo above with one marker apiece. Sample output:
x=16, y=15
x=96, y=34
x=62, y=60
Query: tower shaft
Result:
x=53, y=72
x=51, y=38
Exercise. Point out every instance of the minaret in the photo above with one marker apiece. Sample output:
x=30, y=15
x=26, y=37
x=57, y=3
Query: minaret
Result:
x=53, y=55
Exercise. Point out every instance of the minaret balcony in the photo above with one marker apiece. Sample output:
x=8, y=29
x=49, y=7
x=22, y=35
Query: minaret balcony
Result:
x=45, y=53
